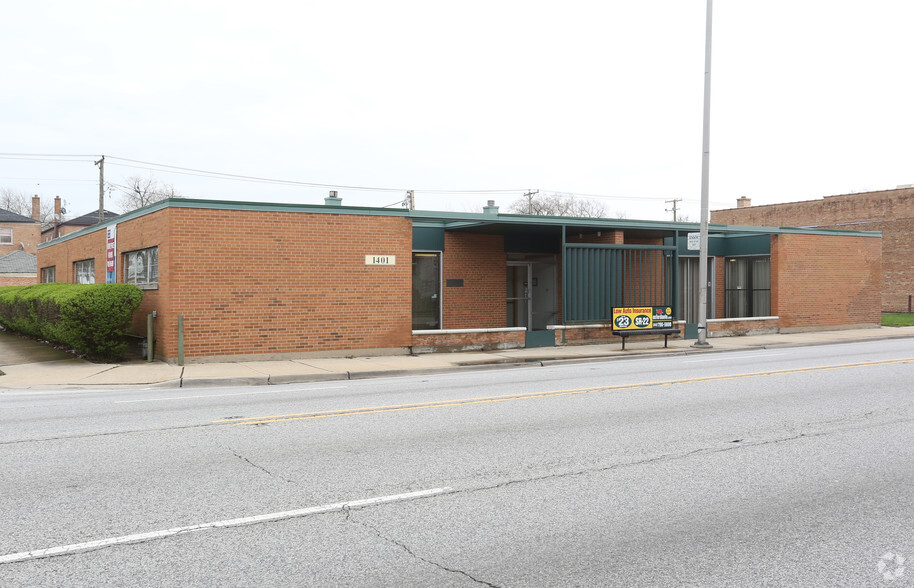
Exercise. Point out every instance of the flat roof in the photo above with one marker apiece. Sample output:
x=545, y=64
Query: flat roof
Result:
x=491, y=221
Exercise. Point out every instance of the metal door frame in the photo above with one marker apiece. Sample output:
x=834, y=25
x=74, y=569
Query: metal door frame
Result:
x=528, y=293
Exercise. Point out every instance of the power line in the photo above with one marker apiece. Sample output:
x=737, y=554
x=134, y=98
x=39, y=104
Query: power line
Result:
x=152, y=166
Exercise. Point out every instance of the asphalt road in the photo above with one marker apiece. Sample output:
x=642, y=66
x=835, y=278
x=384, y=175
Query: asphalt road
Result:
x=775, y=467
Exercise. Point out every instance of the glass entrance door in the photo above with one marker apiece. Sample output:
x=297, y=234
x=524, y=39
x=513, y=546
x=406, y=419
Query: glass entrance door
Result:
x=531, y=300
x=518, y=295
x=426, y=291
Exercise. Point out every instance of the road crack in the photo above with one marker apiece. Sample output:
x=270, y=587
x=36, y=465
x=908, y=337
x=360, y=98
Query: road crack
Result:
x=377, y=532
x=258, y=466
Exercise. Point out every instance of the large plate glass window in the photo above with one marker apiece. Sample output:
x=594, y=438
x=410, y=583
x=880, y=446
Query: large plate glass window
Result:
x=141, y=268
x=84, y=271
x=48, y=274
x=748, y=286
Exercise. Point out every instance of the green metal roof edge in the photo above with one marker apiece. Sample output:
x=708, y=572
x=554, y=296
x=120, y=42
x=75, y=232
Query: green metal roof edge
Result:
x=453, y=220
x=752, y=230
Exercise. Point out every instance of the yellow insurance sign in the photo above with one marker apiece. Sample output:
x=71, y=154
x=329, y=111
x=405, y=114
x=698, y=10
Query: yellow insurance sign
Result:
x=637, y=318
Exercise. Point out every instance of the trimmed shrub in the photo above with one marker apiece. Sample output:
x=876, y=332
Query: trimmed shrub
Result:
x=89, y=318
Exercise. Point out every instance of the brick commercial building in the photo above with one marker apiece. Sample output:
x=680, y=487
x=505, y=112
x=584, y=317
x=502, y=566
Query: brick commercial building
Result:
x=256, y=280
x=890, y=212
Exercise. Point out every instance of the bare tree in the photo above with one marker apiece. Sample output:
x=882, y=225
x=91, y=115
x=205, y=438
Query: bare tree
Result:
x=139, y=192
x=20, y=203
x=557, y=204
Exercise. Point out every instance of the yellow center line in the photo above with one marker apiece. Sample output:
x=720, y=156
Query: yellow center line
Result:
x=549, y=394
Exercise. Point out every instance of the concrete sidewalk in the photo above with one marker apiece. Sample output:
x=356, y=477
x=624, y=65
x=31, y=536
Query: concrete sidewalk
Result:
x=53, y=371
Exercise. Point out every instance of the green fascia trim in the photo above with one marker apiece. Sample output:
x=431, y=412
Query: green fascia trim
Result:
x=428, y=238
x=742, y=230
x=454, y=220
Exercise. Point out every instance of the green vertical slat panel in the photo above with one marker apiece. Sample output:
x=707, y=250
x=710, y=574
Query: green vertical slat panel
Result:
x=579, y=284
x=597, y=308
x=592, y=256
x=592, y=287
x=651, y=261
x=570, y=293
x=601, y=277
x=582, y=285
x=604, y=294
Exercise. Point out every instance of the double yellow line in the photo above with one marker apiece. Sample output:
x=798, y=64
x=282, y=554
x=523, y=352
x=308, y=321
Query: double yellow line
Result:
x=261, y=420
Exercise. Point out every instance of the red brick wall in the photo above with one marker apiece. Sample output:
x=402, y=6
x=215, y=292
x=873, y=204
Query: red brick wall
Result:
x=814, y=290
x=255, y=282
x=604, y=238
x=888, y=211
x=719, y=292
x=480, y=261
x=259, y=282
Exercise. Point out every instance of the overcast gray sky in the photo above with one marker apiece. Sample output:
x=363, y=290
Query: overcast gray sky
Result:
x=600, y=98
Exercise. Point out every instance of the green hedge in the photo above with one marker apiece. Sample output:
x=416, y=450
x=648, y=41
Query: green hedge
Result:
x=90, y=318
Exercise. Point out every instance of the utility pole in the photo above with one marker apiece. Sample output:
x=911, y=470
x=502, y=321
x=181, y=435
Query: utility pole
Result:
x=705, y=169
x=411, y=199
x=674, y=209
x=101, y=188
x=529, y=196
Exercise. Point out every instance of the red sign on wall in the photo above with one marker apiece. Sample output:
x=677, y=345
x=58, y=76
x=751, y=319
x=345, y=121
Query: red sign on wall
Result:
x=111, y=255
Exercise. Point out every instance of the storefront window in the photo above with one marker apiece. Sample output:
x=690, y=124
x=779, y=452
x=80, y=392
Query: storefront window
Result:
x=748, y=286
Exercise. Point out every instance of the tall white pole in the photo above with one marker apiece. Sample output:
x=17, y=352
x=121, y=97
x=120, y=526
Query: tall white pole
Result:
x=705, y=168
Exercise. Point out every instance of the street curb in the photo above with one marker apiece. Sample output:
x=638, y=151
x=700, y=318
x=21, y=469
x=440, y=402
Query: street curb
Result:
x=495, y=363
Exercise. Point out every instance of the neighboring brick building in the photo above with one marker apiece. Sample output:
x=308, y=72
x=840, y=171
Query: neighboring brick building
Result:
x=19, y=233
x=74, y=224
x=284, y=280
x=889, y=211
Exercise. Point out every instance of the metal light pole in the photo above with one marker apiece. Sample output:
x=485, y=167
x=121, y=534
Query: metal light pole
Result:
x=705, y=167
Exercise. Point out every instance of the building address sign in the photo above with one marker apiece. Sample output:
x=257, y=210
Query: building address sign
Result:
x=380, y=260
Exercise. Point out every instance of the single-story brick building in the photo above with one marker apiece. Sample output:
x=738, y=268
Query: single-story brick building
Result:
x=259, y=280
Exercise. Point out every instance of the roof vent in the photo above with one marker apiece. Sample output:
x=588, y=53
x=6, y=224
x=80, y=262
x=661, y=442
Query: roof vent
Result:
x=333, y=199
x=490, y=208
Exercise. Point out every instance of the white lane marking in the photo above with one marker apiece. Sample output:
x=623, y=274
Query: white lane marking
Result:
x=276, y=516
x=730, y=357
x=222, y=395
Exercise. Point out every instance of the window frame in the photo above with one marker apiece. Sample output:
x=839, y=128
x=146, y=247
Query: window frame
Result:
x=8, y=232
x=89, y=263
x=130, y=258
x=49, y=271
x=420, y=299
x=737, y=296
